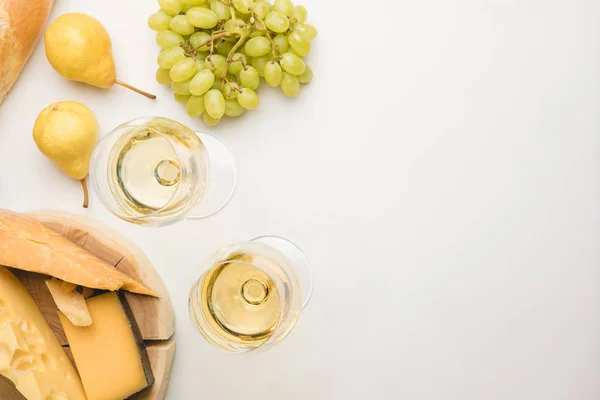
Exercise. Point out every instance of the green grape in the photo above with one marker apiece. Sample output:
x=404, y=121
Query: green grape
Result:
x=237, y=63
x=224, y=48
x=309, y=31
x=214, y=102
x=230, y=90
x=166, y=39
x=273, y=73
x=194, y=2
x=202, y=82
x=200, y=66
x=290, y=85
x=217, y=64
x=201, y=55
x=259, y=31
x=171, y=7
x=277, y=21
x=169, y=57
x=291, y=51
x=195, y=106
x=292, y=64
x=181, y=87
x=183, y=70
x=248, y=99
x=198, y=38
x=299, y=43
x=249, y=78
x=162, y=76
x=210, y=121
x=182, y=98
x=218, y=84
x=306, y=76
x=281, y=43
x=202, y=17
x=300, y=14
x=220, y=9
x=259, y=64
x=236, y=26
x=243, y=6
x=159, y=21
x=261, y=8
x=233, y=108
x=258, y=46
x=180, y=24
x=284, y=6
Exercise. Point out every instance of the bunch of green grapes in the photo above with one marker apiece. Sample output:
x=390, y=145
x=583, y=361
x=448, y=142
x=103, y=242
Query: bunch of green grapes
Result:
x=214, y=52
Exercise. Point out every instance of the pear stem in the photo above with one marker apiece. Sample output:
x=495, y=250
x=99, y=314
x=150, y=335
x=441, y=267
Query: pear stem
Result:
x=85, y=193
x=148, y=95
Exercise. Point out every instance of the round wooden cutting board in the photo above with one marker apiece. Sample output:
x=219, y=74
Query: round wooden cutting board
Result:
x=154, y=316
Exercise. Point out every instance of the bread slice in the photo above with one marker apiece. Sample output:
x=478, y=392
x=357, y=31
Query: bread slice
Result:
x=28, y=245
x=21, y=23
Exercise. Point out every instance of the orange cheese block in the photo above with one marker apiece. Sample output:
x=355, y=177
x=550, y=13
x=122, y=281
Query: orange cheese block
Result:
x=110, y=354
x=30, y=355
x=28, y=245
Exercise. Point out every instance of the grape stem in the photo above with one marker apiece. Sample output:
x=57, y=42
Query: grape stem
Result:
x=237, y=46
x=217, y=36
x=232, y=87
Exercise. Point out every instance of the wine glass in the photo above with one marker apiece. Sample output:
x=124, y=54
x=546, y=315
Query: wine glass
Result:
x=156, y=171
x=251, y=294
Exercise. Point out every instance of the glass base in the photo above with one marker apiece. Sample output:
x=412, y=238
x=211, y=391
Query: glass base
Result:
x=222, y=178
x=299, y=260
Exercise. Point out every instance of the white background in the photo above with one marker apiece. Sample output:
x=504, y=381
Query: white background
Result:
x=441, y=171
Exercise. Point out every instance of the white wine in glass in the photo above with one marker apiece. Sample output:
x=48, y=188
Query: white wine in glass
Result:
x=156, y=171
x=251, y=294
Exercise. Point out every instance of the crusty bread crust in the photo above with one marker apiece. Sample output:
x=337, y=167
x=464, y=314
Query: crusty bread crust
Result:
x=21, y=24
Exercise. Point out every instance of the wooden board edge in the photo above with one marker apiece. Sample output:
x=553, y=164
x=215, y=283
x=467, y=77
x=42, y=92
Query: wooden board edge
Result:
x=8, y=391
x=161, y=355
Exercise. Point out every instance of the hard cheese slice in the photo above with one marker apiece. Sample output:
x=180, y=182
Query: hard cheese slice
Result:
x=72, y=304
x=110, y=354
x=30, y=355
x=28, y=245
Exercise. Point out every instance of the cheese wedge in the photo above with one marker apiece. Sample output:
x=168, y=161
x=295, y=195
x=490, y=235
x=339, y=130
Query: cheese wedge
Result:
x=110, y=354
x=30, y=355
x=28, y=245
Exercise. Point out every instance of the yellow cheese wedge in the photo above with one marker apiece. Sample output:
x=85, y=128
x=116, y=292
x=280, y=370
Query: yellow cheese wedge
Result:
x=30, y=355
x=110, y=354
x=29, y=245
x=72, y=304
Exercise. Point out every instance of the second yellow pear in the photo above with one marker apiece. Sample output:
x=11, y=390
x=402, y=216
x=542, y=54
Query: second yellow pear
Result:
x=79, y=48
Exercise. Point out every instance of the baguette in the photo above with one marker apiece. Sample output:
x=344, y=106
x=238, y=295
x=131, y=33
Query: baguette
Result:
x=28, y=245
x=21, y=24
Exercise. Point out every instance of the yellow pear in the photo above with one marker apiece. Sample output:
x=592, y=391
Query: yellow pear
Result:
x=67, y=132
x=79, y=48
